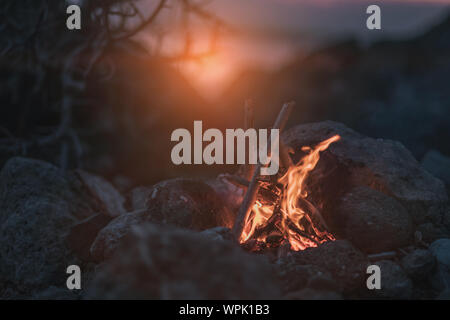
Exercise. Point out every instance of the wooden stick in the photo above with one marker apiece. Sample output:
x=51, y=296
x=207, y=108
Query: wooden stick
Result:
x=249, y=122
x=236, y=180
x=252, y=191
x=316, y=213
x=382, y=256
x=249, y=114
x=290, y=224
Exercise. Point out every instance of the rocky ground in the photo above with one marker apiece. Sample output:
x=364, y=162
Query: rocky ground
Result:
x=172, y=240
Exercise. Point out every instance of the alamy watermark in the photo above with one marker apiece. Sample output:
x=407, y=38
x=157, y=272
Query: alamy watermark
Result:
x=191, y=151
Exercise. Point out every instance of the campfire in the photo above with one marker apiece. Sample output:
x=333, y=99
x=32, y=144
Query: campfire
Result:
x=276, y=211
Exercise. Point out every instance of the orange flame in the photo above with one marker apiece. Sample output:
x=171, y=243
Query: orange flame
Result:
x=293, y=182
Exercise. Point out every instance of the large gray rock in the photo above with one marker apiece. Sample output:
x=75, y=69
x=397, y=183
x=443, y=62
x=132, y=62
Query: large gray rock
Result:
x=431, y=232
x=111, y=199
x=83, y=234
x=446, y=219
x=295, y=277
x=441, y=251
x=231, y=194
x=437, y=164
x=185, y=203
x=356, y=160
x=372, y=221
x=160, y=262
x=419, y=264
x=218, y=234
x=110, y=237
x=38, y=205
x=138, y=197
x=313, y=294
x=395, y=284
x=345, y=263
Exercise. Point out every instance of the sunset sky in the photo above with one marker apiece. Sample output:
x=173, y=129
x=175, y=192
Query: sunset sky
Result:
x=272, y=32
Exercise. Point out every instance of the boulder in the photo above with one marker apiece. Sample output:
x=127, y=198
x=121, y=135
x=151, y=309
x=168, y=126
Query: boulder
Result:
x=111, y=199
x=231, y=194
x=444, y=295
x=395, y=284
x=446, y=219
x=138, y=197
x=356, y=160
x=162, y=262
x=83, y=234
x=441, y=251
x=187, y=203
x=56, y=293
x=39, y=203
x=296, y=277
x=418, y=264
x=431, y=232
x=345, y=263
x=437, y=164
x=372, y=221
x=109, y=238
x=218, y=234
x=313, y=294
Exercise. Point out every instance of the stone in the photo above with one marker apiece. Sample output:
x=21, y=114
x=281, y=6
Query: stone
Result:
x=372, y=221
x=395, y=284
x=110, y=237
x=435, y=214
x=231, y=195
x=56, y=293
x=446, y=219
x=418, y=264
x=313, y=294
x=163, y=262
x=187, y=203
x=39, y=203
x=441, y=251
x=345, y=263
x=83, y=234
x=437, y=164
x=113, y=202
x=218, y=234
x=295, y=277
x=356, y=160
x=138, y=197
x=430, y=232
x=444, y=295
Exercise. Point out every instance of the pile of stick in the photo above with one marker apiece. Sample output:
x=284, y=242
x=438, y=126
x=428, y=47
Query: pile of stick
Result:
x=271, y=191
x=254, y=185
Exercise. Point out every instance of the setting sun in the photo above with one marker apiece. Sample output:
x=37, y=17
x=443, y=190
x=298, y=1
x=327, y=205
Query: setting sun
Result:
x=210, y=73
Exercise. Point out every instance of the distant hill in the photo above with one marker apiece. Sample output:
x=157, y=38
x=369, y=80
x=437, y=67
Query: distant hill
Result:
x=392, y=89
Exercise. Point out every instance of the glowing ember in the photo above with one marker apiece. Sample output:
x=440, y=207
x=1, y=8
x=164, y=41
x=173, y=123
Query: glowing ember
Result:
x=288, y=214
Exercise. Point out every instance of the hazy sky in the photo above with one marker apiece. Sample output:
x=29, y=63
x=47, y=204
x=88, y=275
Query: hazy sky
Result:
x=272, y=32
x=399, y=17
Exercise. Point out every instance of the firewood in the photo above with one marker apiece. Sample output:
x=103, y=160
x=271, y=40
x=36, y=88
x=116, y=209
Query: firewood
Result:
x=382, y=256
x=236, y=180
x=253, y=188
x=312, y=209
x=249, y=122
x=249, y=114
x=291, y=225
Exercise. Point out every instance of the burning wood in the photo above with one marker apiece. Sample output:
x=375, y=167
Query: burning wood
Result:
x=277, y=211
x=249, y=122
x=250, y=196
